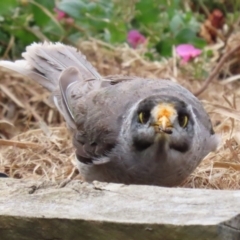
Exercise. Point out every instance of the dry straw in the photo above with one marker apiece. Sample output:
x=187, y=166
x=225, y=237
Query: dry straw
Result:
x=34, y=141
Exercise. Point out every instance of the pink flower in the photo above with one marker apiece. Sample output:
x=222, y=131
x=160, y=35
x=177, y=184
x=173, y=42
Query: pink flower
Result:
x=63, y=17
x=187, y=52
x=135, y=38
x=60, y=14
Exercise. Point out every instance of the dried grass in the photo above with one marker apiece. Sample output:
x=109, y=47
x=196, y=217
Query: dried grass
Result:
x=36, y=144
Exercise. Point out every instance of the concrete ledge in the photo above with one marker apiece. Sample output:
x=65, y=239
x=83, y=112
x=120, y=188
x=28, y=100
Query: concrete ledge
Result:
x=82, y=211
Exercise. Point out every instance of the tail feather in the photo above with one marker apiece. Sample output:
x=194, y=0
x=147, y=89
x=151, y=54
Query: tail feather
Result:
x=58, y=57
x=44, y=62
x=22, y=67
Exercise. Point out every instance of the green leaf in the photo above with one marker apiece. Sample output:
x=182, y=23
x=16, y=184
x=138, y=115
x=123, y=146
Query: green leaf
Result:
x=117, y=32
x=72, y=7
x=164, y=47
x=189, y=36
x=43, y=15
x=41, y=11
x=25, y=37
x=147, y=11
x=185, y=35
x=176, y=23
x=6, y=6
x=149, y=55
x=209, y=53
x=3, y=36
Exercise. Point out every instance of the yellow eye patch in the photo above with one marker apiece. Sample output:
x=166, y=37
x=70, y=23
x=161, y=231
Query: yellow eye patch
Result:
x=183, y=120
x=143, y=117
x=140, y=116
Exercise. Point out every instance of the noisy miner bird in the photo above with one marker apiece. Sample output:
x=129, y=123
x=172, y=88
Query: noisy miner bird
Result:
x=125, y=129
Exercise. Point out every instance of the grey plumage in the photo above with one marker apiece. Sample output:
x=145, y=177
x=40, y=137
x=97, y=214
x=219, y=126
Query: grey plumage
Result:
x=113, y=119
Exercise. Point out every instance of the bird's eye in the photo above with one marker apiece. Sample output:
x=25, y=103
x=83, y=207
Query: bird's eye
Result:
x=143, y=117
x=183, y=120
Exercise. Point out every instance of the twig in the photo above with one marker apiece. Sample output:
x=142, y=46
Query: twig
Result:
x=4, y=142
x=9, y=47
x=227, y=165
x=204, y=8
x=217, y=69
x=11, y=96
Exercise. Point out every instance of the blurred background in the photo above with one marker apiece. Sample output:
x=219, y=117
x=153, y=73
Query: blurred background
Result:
x=158, y=24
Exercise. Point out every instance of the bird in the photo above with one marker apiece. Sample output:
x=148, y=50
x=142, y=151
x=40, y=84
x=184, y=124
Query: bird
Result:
x=125, y=129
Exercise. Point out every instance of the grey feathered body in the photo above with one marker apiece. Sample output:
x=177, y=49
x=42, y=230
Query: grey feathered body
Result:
x=110, y=111
x=100, y=118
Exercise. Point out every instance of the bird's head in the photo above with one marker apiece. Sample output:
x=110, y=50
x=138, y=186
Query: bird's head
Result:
x=164, y=121
x=169, y=137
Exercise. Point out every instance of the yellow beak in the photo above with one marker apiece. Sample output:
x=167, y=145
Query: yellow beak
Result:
x=164, y=125
x=164, y=113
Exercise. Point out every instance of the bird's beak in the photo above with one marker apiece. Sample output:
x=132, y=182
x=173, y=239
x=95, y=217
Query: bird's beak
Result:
x=164, y=114
x=164, y=125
